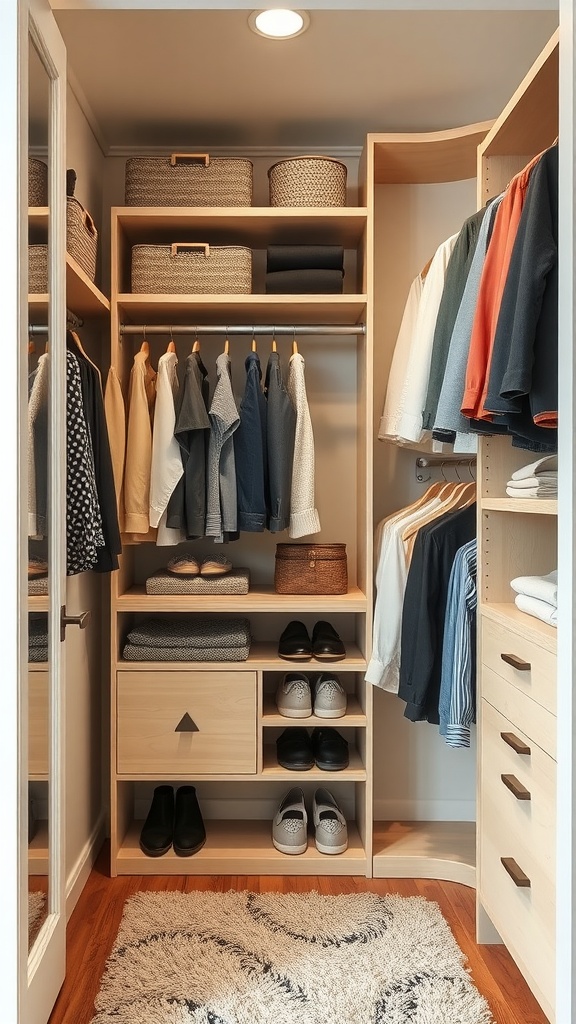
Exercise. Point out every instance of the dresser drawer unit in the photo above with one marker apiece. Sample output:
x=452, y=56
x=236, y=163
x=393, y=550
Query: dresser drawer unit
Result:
x=521, y=662
x=538, y=724
x=186, y=723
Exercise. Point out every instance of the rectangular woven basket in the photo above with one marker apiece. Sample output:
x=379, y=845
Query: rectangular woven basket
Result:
x=192, y=268
x=37, y=182
x=81, y=236
x=311, y=569
x=188, y=179
x=308, y=181
x=38, y=269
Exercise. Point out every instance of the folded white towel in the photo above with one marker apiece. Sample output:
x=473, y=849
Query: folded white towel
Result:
x=545, y=480
x=540, y=609
x=544, y=588
x=545, y=465
x=531, y=492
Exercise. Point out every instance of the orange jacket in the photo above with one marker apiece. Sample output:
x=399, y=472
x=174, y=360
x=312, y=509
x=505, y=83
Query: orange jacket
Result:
x=492, y=283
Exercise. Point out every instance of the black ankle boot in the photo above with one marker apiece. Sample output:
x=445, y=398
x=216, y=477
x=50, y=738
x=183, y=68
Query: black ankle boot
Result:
x=189, y=831
x=158, y=829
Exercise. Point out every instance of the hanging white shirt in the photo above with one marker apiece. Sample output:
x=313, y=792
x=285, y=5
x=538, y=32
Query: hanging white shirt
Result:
x=304, y=518
x=398, y=377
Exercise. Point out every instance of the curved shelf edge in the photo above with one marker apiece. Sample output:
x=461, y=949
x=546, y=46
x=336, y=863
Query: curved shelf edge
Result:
x=413, y=158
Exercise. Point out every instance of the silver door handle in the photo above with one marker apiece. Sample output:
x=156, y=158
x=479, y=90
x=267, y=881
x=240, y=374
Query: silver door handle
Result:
x=81, y=621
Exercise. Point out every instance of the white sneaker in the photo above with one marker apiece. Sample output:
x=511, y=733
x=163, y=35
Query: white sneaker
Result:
x=329, y=696
x=293, y=696
x=290, y=825
x=330, y=823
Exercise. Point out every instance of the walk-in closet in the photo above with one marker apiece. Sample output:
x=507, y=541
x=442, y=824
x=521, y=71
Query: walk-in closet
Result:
x=157, y=658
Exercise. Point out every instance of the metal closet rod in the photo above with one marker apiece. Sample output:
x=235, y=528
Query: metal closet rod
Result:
x=251, y=329
x=443, y=460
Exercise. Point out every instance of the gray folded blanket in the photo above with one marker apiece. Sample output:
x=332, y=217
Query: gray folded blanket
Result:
x=133, y=652
x=195, y=632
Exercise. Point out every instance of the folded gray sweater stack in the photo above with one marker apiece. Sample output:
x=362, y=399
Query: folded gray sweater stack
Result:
x=196, y=638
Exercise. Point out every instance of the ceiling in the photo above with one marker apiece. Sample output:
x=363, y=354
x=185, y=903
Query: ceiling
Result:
x=199, y=78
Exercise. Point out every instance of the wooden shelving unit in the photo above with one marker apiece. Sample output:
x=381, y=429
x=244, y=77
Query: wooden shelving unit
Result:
x=426, y=849
x=82, y=295
x=235, y=846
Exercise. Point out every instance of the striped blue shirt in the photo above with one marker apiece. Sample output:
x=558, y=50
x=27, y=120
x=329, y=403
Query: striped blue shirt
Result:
x=457, y=704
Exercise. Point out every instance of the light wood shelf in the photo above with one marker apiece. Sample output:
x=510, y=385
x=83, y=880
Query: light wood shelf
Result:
x=82, y=296
x=38, y=850
x=213, y=309
x=528, y=626
x=534, y=506
x=425, y=849
x=241, y=848
x=272, y=771
x=259, y=599
x=256, y=226
x=262, y=657
x=38, y=217
x=38, y=603
x=354, y=716
x=416, y=158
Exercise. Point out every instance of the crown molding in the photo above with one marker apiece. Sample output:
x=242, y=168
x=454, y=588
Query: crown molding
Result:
x=254, y=152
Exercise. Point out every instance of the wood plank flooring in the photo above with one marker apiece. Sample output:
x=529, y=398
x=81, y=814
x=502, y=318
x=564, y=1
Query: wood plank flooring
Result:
x=94, y=924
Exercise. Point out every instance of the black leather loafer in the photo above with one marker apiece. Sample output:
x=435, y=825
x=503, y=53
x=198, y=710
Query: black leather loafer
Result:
x=157, y=831
x=189, y=831
x=294, y=750
x=330, y=749
x=326, y=644
x=294, y=643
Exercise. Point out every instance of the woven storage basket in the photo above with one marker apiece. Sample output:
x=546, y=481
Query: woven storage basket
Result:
x=38, y=269
x=311, y=569
x=81, y=236
x=188, y=179
x=37, y=182
x=192, y=268
x=308, y=181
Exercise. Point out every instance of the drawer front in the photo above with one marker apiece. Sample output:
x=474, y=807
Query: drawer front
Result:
x=530, y=668
x=185, y=723
x=524, y=916
x=531, y=718
x=518, y=789
x=38, y=724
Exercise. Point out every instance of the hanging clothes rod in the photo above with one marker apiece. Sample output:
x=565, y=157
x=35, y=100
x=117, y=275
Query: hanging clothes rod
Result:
x=249, y=329
x=423, y=462
x=72, y=321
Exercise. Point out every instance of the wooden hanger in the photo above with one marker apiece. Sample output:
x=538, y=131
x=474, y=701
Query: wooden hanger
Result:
x=171, y=345
x=426, y=268
x=274, y=349
x=253, y=344
x=196, y=346
x=31, y=347
x=76, y=339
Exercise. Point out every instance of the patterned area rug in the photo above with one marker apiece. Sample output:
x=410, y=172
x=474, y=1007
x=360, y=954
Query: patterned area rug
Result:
x=36, y=905
x=247, y=958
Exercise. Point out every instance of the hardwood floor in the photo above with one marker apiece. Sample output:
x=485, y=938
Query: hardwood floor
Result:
x=94, y=924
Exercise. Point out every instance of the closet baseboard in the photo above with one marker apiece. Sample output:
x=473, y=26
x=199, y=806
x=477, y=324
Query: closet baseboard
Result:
x=85, y=861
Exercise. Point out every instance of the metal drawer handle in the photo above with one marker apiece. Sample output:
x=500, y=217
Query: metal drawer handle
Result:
x=516, y=787
x=186, y=724
x=515, y=872
x=517, y=663
x=517, y=744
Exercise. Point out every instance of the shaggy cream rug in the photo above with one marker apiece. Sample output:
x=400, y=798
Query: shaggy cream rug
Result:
x=36, y=905
x=247, y=958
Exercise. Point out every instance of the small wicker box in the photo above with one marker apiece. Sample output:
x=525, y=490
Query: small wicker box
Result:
x=308, y=181
x=192, y=268
x=38, y=269
x=81, y=236
x=311, y=569
x=37, y=182
x=188, y=179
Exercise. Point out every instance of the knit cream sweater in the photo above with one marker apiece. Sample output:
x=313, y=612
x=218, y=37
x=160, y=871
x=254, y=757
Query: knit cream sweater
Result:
x=303, y=515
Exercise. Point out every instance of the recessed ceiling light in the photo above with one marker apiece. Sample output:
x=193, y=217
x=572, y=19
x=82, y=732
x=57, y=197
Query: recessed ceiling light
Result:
x=279, y=23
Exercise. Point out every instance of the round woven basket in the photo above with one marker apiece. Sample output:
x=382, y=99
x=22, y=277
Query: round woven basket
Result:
x=308, y=181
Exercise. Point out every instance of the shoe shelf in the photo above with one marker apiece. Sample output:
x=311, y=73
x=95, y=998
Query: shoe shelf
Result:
x=354, y=716
x=263, y=656
x=271, y=770
x=260, y=598
x=237, y=847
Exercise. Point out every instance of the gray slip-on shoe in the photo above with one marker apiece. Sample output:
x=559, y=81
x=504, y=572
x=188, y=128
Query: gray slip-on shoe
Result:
x=290, y=825
x=329, y=823
x=329, y=696
x=293, y=696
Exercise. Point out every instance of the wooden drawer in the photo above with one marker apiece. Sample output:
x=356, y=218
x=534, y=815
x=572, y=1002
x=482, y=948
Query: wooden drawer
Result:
x=523, y=916
x=535, y=671
x=221, y=738
x=531, y=718
x=518, y=789
x=38, y=724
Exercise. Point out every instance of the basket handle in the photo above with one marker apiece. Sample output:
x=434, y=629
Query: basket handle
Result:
x=175, y=157
x=89, y=223
x=177, y=246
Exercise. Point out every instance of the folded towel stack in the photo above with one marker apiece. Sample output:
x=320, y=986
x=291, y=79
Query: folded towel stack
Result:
x=37, y=638
x=538, y=595
x=196, y=638
x=538, y=480
x=304, y=269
